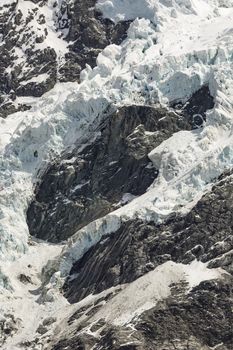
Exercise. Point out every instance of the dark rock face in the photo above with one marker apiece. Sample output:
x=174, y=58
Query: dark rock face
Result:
x=77, y=22
x=209, y=304
x=198, y=320
x=88, y=184
x=90, y=34
x=9, y=325
x=98, y=177
x=137, y=247
x=197, y=106
x=18, y=66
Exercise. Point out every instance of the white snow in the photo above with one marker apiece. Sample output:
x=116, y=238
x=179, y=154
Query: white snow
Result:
x=54, y=123
x=173, y=49
x=151, y=9
x=132, y=299
x=165, y=64
x=7, y=2
x=145, y=292
x=8, y=127
x=37, y=79
x=24, y=303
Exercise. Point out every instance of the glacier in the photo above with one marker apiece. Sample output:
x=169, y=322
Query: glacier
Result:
x=147, y=68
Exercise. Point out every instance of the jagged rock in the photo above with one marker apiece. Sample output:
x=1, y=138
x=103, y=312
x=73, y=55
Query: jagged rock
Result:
x=89, y=34
x=76, y=22
x=195, y=322
x=204, y=234
x=84, y=342
x=88, y=184
x=9, y=325
x=42, y=329
x=197, y=106
x=48, y=321
x=24, y=279
x=199, y=320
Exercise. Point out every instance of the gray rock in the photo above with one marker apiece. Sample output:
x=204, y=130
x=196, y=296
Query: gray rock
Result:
x=42, y=329
x=9, y=325
x=204, y=234
x=195, y=108
x=73, y=193
x=87, y=31
x=48, y=321
x=25, y=279
x=199, y=320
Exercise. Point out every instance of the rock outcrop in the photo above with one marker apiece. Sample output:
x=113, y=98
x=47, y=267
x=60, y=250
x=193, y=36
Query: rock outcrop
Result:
x=44, y=43
x=137, y=247
x=199, y=318
x=85, y=185
x=89, y=33
x=158, y=273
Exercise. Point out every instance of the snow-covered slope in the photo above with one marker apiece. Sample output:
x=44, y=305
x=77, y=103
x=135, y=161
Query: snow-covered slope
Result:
x=33, y=49
x=189, y=161
x=172, y=49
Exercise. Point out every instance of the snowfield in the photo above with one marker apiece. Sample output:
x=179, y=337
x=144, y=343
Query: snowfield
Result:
x=173, y=48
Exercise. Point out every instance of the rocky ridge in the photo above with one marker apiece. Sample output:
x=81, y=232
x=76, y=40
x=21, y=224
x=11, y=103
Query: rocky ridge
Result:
x=100, y=269
x=45, y=42
x=111, y=170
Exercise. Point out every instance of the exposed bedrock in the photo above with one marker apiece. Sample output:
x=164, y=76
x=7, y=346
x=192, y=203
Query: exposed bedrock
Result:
x=137, y=247
x=105, y=174
x=198, y=320
x=89, y=33
x=76, y=22
x=197, y=106
x=90, y=182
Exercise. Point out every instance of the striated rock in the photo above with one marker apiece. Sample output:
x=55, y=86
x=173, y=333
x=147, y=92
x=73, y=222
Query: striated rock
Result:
x=204, y=234
x=85, y=185
x=199, y=320
x=106, y=171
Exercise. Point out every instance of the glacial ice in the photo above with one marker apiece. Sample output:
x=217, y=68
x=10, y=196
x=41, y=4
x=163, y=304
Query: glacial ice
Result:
x=190, y=161
x=146, y=68
x=173, y=48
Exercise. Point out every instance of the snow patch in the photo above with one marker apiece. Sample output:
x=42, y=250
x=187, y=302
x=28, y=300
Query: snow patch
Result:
x=145, y=292
x=151, y=9
x=37, y=79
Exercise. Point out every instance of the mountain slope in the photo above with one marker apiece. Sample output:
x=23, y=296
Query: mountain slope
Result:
x=116, y=151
